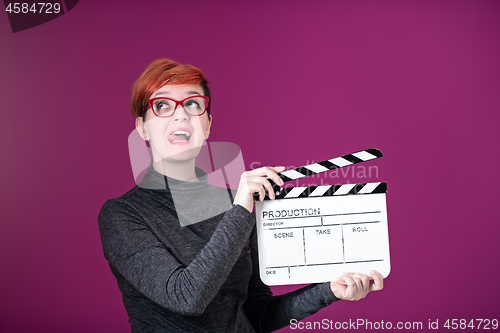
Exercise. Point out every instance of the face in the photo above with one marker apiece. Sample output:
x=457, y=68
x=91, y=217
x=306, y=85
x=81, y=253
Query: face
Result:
x=179, y=137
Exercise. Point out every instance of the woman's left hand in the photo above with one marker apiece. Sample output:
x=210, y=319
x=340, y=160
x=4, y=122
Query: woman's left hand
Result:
x=355, y=286
x=255, y=181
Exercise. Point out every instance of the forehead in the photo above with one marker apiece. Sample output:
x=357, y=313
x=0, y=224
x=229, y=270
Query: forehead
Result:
x=178, y=90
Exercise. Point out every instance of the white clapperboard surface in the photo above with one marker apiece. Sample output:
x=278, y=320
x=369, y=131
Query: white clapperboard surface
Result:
x=314, y=234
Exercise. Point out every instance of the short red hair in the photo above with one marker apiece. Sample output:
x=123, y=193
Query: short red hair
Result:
x=159, y=73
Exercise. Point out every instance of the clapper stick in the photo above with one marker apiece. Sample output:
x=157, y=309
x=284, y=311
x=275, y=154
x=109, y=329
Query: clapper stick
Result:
x=323, y=166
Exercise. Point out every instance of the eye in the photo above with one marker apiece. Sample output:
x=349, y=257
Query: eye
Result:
x=192, y=104
x=163, y=105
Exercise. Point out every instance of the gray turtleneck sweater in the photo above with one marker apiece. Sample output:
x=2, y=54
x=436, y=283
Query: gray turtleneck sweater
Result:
x=198, y=272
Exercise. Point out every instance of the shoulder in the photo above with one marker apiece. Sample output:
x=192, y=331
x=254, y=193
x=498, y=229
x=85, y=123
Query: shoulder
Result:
x=122, y=199
x=122, y=205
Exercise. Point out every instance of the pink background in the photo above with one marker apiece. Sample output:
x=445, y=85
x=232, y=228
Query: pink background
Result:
x=292, y=82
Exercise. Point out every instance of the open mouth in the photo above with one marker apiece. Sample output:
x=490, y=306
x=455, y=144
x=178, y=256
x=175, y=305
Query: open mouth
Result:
x=179, y=136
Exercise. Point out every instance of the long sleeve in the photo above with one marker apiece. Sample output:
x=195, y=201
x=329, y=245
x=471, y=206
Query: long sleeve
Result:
x=134, y=249
x=201, y=277
x=268, y=313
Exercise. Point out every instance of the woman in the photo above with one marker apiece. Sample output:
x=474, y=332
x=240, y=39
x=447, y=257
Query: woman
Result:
x=203, y=276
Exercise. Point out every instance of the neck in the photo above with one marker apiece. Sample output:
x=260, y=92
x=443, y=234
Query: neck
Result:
x=180, y=170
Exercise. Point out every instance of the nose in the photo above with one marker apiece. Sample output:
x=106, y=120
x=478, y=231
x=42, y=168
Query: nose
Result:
x=180, y=113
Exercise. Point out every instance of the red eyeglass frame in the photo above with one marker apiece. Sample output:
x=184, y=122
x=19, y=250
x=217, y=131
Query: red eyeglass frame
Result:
x=177, y=103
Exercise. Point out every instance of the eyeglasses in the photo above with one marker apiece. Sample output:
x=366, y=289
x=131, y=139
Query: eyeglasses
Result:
x=165, y=107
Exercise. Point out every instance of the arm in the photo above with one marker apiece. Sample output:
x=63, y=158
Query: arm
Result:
x=268, y=313
x=132, y=248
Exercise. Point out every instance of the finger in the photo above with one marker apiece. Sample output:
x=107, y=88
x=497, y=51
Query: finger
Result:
x=267, y=185
x=378, y=281
x=253, y=186
x=260, y=184
x=351, y=289
x=363, y=281
x=259, y=189
x=356, y=280
x=269, y=189
x=261, y=172
x=362, y=285
x=365, y=286
x=359, y=287
x=341, y=281
x=275, y=177
x=278, y=168
x=270, y=172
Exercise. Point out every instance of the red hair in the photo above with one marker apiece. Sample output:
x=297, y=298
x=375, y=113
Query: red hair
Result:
x=159, y=73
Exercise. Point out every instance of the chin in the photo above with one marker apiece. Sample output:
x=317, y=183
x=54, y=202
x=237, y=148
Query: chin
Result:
x=183, y=154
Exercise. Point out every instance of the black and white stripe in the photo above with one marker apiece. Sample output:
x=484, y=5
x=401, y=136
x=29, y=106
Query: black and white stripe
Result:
x=330, y=190
x=331, y=164
x=323, y=166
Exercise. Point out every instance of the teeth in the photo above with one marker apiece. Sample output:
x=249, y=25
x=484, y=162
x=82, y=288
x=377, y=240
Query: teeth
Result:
x=186, y=133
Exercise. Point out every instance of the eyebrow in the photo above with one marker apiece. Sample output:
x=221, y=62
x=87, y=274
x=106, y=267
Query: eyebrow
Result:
x=161, y=93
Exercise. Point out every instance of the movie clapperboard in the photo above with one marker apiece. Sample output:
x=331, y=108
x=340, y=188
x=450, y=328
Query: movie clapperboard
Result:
x=314, y=234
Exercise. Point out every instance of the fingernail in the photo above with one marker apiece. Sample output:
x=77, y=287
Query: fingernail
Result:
x=345, y=274
x=281, y=181
x=372, y=272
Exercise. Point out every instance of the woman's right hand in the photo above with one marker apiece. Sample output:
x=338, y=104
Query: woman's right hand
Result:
x=355, y=286
x=255, y=181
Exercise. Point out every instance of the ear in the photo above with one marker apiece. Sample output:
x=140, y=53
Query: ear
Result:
x=139, y=126
x=207, y=129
